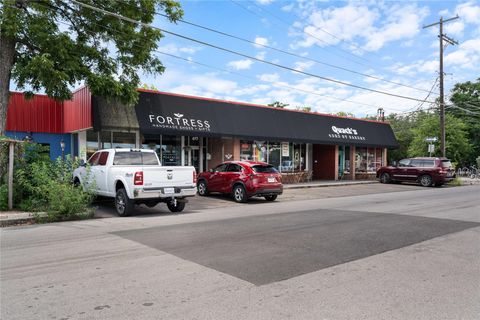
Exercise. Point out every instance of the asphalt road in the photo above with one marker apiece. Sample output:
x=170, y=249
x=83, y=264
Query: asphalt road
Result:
x=367, y=254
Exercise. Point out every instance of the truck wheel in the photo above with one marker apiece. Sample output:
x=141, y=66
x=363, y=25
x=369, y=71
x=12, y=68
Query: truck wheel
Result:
x=271, y=198
x=123, y=203
x=175, y=206
x=151, y=204
x=202, y=188
x=239, y=193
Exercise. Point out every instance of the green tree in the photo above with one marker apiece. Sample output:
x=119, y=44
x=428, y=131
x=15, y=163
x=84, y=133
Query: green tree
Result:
x=278, y=104
x=457, y=144
x=465, y=101
x=55, y=44
x=344, y=114
x=402, y=127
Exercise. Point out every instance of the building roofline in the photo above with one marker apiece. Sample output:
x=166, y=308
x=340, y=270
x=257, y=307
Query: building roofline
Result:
x=256, y=105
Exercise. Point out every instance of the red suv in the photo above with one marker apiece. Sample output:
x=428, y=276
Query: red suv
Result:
x=242, y=179
x=426, y=171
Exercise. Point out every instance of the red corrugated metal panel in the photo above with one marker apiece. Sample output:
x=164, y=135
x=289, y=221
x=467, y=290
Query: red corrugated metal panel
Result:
x=78, y=111
x=39, y=114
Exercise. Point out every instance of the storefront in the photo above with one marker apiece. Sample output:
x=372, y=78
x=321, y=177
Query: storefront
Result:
x=200, y=132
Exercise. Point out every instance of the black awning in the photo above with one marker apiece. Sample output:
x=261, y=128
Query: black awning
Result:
x=173, y=114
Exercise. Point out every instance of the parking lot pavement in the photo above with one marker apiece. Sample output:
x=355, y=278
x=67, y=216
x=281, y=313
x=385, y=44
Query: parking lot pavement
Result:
x=105, y=207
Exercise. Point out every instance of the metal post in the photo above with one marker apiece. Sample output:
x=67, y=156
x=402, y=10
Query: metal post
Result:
x=442, y=37
x=11, y=152
x=442, y=98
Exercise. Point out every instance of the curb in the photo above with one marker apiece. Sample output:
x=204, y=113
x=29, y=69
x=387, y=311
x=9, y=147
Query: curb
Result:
x=18, y=218
x=321, y=185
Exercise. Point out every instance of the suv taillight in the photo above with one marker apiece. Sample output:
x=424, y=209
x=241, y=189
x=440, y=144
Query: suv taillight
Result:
x=194, y=176
x=138, y=178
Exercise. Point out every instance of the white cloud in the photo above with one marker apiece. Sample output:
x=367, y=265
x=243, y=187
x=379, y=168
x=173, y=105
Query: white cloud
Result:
x=269, y=77
x=264, y=2
x=261, y=55
x=172, y=48
x=260, y=41
x=454, y=28
x=288, y=7
x=402, y=23
x=304, y=65
x=353, y=22
x=240, y=64
x=467, y=56
x=349, y=21
x=469, y=12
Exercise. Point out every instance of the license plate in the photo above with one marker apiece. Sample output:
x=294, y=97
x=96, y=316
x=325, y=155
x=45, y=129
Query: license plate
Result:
x=271, y=179
x=168, y=190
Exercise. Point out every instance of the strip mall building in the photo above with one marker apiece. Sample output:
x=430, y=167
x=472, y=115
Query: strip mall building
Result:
x=186, y=130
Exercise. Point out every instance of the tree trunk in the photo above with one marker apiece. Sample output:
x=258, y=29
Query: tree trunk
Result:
x=7, y=55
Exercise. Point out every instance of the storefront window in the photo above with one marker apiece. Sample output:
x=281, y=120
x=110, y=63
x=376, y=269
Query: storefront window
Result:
x=105, y=139
x=371, y=166
x=92, y=143
x=361, y=160
x=152, y=142
x=171, y=150
x=274, y=154
x=260, y=151
x=246, y=150
x=124, y=139
x=298, y=156
x=378, y=158
x=346, y=168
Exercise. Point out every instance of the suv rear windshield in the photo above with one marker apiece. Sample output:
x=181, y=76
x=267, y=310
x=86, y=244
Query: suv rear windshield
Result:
x=264, y=169
x=446, y=163
x=135, y=158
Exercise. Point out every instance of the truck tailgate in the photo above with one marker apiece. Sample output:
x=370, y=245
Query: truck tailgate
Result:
x=160, y=176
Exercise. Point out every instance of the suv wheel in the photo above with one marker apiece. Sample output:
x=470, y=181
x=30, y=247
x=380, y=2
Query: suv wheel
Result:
x=271, y=198
x=239, y=193
x=202, y=188
x=385, y=178
x=426, y=180
x=123, y=204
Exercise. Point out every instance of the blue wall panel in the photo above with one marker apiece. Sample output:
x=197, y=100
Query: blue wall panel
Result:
x=52, y=139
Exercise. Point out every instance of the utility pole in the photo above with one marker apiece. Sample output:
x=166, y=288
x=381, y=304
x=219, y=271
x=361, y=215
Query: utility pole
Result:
x=442, y=37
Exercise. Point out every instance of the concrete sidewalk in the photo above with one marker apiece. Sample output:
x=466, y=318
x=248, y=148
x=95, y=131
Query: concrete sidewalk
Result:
x=9, y=218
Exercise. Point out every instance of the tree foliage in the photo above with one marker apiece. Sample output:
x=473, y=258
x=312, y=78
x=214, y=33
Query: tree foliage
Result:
x=52, y=45
x=457, y=145
x=466, y=106
x=278, y=104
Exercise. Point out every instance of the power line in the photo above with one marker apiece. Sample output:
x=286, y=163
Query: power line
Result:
x=285, y=51
x=336, y=37
x=242, y=54
x=309, y=34
x=237, y=73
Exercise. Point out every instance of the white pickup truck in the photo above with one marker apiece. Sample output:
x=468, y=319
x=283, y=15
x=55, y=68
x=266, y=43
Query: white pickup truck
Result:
x=135, y=176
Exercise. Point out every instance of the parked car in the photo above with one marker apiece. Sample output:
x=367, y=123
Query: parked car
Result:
x=135, y=176
x=426, y=171
x=242, y=179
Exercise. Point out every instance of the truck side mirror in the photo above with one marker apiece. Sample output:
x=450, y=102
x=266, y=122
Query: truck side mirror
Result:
x=82, y=163
x=210, y=170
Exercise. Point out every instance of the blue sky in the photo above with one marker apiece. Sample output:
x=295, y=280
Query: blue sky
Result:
x=381, y=39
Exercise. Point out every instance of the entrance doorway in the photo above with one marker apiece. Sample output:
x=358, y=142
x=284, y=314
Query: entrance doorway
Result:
x=192, y=157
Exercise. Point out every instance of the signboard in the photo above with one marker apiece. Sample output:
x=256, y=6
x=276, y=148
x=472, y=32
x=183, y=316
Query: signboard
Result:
x=431, y=139
x=171, y=114
x=285, y=149
x=431, y=148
